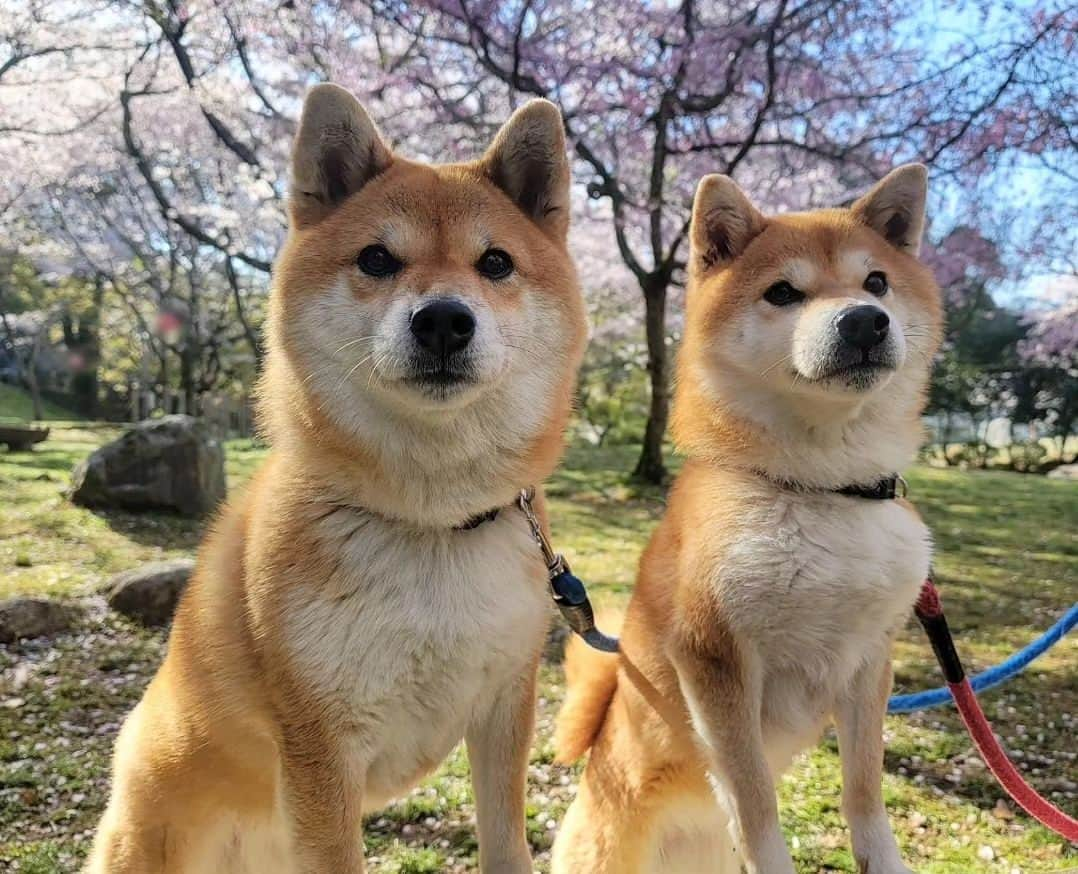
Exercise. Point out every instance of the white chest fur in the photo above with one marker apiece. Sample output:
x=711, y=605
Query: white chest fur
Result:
x=818, y=582
x=415, y=630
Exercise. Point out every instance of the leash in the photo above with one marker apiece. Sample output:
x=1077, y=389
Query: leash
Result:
x=568, y=592
x=992, y=677
x=929, y=612
x=571, y=598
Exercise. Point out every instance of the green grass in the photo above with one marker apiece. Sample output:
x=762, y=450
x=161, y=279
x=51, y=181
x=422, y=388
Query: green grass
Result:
x=49, y=546
x=1007, y=561
x=15, y=403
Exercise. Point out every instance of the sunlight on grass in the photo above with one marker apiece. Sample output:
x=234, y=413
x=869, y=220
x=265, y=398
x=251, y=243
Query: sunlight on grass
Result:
x=1007, y=563
x=16, y=405
x=49, y=546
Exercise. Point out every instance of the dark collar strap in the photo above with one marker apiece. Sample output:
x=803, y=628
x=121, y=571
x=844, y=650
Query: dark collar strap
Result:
x=477, y=520
x=467, y=525
x=887, y=489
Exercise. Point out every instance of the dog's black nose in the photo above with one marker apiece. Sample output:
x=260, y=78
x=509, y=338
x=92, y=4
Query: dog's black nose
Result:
x=443, y=326
x=863, y=326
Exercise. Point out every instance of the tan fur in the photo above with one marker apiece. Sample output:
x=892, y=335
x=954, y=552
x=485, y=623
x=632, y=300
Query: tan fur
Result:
x=591, y=678
x=762, y=612
x=339, y=637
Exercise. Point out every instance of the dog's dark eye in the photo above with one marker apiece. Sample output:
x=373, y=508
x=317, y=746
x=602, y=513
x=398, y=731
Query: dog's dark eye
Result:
x=494, y=264
x=782, y=294
x=378, y=261
x=876, y=283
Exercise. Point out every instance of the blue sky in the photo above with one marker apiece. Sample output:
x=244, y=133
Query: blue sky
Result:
x=1024, y=185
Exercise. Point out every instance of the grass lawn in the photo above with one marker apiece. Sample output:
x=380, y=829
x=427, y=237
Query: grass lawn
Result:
x=15, y=403
x=1007, y=563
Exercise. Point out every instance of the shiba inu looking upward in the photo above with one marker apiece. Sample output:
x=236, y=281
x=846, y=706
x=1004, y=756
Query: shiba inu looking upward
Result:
x=769, y=595
x=373, y=597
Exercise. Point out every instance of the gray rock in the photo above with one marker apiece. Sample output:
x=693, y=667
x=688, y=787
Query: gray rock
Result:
x=1065, y=471
x=171, y=463
x=33, y=617
x=149, y=594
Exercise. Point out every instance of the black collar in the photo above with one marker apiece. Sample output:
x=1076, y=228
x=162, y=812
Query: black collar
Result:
x=886, y=489
x=467, y=525
x=478, y=519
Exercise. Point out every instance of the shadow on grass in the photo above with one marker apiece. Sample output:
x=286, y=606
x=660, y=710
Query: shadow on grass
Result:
x=930, y=746
x=156, y=528
x=1006, y=608
x=40, y=459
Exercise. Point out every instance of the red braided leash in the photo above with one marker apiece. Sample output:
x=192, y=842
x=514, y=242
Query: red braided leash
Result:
x=929, y=611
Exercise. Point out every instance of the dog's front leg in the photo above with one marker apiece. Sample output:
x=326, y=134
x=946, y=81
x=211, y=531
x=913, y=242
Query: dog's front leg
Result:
x=859, y=717
x=723, y=691
x=499, y=739
x=324, y=801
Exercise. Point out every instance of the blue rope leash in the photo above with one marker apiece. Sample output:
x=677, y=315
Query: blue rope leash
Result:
x=993, y=676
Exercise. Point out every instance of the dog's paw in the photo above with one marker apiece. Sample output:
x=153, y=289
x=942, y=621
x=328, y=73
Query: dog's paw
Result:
x=874, y=847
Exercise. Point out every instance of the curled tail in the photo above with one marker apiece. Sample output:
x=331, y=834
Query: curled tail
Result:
x=592, y=679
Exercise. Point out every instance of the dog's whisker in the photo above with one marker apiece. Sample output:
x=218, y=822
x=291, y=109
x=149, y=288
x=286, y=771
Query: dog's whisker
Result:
x=318, y=371
x=782, y=360
x=354, y=342
x=530, y=353
x=355, y=367
x=378, y=364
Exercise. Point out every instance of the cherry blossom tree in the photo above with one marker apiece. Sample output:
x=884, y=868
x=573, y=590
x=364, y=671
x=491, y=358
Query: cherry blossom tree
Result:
x=145, y=141
x=1050, y=354
x=803, y=101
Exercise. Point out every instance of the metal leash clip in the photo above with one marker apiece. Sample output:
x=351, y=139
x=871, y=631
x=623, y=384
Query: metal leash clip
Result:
x=555, y=563
x=566, y=589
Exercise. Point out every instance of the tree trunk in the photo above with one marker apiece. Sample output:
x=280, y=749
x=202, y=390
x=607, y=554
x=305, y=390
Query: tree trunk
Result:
x=650, y=467
x=187, y=380
x=31, y=377
x=85, y=342
x=92, y=352
x=35, y=396
x=241, y=313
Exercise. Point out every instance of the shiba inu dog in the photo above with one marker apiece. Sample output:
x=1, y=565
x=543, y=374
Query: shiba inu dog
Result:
x=373, y=597
x=769, y=595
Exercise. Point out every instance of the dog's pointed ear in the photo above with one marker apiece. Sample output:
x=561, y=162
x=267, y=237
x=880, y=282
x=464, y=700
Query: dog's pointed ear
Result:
x=337, y=151
x=724, y=222
x=527, y=161
x=895, y=207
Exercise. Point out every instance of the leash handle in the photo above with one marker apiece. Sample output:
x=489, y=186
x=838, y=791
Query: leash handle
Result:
x=993, y=676
x=572, y=600
x=568, y=592
x=929, y=611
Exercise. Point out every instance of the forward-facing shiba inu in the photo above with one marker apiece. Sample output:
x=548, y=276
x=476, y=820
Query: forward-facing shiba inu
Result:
x=769, y=595
x=366, y=605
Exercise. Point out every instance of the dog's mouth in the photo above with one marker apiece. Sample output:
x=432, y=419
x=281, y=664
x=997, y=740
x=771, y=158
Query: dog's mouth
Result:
x=441, y=377
x=858, y=372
